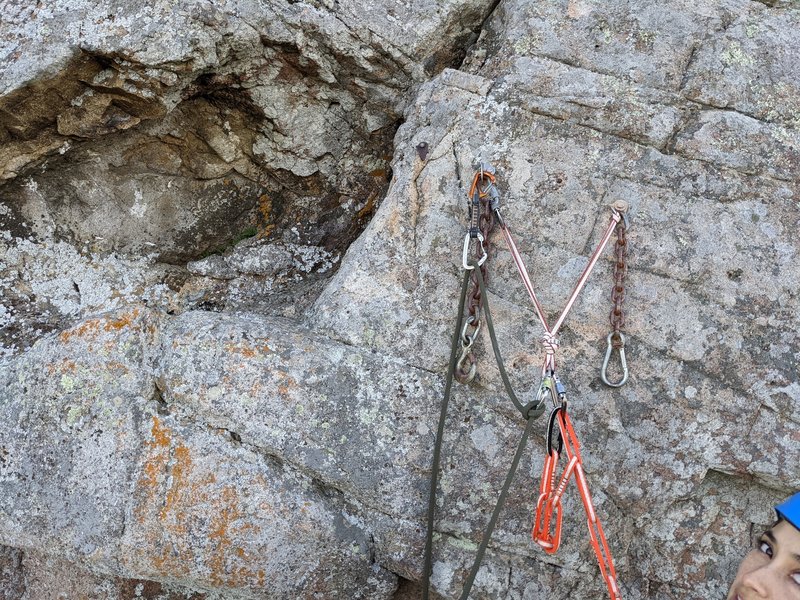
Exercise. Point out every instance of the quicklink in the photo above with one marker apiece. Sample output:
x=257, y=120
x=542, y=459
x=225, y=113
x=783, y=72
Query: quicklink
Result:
x=466, y=346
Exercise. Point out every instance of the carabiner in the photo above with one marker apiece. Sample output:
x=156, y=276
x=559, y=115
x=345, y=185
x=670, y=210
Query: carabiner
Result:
x=466, y=377
x=465, y=255
x=604, y=370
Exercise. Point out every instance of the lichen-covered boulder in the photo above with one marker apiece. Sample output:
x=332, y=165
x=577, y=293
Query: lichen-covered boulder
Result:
x=256, y=417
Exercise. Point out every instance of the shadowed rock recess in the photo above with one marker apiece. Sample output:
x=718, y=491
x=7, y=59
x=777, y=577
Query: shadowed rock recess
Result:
x=228, y=279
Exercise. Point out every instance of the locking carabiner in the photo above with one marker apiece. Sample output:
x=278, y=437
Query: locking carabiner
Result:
x=623, y=362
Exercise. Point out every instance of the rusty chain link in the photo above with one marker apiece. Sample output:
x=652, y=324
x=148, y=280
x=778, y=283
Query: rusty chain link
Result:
x=617, y=315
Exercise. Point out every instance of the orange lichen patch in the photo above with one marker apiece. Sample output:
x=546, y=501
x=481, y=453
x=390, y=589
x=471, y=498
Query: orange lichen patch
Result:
x=166, y=540
x=114, y=365
x=286, y=384
x=83, y=330
x=180, y=480
x=247, y=351
x=369, y=207
x=264, y=207
x=126, y=320
x=64, y=366
x=154, y=466
x=91, y=327
x=227, y=561
x=160, y=433
x=218, y=535
x=196, y=527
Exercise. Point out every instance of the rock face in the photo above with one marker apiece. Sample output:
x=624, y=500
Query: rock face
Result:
x=229, y=281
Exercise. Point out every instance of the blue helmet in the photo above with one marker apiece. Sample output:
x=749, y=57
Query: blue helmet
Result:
x=790, y=510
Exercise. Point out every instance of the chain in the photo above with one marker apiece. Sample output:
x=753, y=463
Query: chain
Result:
x=485, y=224
x=617, y=315
x=484, y=219
x=616, y=339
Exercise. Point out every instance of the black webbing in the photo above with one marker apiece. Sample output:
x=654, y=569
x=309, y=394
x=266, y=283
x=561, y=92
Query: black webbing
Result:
x=496, y=513
x=529, y=412
x=501, y=367
x=437, y=448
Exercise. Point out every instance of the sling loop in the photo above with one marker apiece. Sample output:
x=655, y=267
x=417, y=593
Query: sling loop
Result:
x=529, y=412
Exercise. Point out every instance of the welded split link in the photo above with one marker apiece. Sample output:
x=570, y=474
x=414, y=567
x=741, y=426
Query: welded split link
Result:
x=465, y=255
x=494, y=196
x=561, y=392
x=604, y=370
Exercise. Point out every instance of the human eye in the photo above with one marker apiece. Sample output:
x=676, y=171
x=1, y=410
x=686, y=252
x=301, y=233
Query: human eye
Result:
x=765, y=547
x=796, y=578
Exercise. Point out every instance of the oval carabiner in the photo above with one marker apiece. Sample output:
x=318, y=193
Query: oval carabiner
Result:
x=465, y=255
x=604, y=370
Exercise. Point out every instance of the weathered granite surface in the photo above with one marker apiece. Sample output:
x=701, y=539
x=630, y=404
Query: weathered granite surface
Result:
x=255, y=418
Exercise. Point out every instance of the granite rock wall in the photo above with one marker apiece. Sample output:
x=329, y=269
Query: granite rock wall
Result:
x=228, y=282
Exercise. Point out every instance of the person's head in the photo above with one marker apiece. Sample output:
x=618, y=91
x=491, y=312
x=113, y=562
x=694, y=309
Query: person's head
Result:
x=771, y=571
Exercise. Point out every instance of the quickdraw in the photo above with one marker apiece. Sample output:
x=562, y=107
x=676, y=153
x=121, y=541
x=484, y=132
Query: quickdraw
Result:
x=561, y=437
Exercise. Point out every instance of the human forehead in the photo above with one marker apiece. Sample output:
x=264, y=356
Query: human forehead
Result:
x=787, y=536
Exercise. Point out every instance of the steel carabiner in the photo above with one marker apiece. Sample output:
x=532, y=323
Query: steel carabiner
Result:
x=623, y=362
x=465, y=254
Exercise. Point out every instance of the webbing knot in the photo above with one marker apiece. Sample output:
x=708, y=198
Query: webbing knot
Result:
x=550, y=343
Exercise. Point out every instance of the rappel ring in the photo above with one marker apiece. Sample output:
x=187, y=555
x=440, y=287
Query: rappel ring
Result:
x=623, y=362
